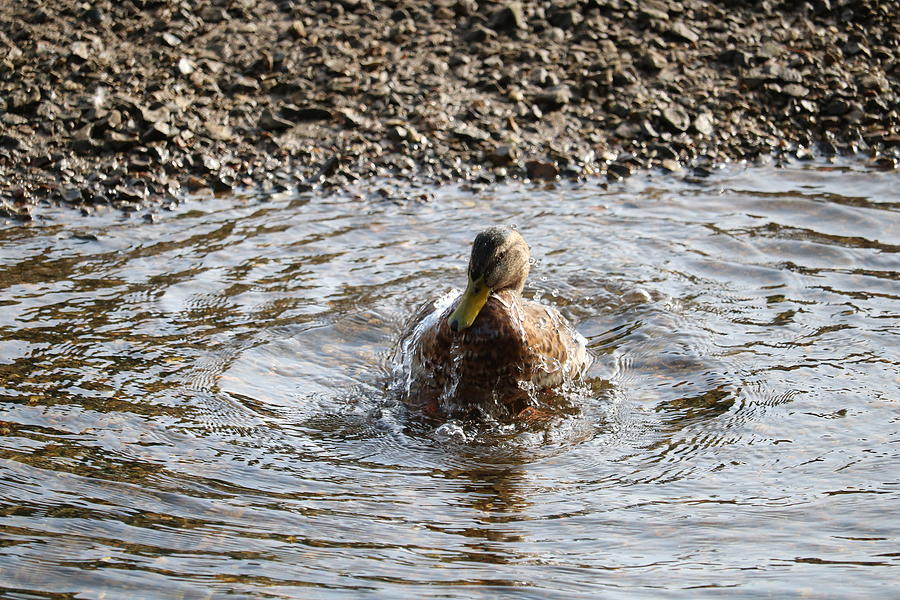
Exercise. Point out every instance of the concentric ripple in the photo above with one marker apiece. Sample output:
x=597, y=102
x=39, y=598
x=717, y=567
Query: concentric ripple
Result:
x=198, y=407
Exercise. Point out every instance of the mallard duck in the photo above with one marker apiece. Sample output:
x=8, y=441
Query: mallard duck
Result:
x=489, y=346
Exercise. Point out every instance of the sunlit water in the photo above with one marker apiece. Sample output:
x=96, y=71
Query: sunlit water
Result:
x=197, y=408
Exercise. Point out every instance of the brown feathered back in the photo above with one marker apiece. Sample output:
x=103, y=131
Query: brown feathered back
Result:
x=513, y=349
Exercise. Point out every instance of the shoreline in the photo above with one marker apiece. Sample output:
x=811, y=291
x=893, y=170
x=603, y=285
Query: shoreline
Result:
x=136, y=105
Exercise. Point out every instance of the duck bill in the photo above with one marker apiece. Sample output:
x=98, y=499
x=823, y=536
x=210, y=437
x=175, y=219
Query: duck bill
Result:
x=470, y=305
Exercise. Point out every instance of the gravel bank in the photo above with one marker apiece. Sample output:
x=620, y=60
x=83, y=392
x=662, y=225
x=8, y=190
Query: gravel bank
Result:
x=134, y=103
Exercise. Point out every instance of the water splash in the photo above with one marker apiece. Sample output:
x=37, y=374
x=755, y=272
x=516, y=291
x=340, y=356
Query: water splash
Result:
x=549, y=393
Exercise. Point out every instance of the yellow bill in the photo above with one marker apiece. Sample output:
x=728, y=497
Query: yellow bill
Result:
x=470, y=305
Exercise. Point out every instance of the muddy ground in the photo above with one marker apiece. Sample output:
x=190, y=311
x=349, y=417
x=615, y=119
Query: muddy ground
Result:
x=135, y=103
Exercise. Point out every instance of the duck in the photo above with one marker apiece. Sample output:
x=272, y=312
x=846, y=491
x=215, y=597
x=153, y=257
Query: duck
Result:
x=490, y=349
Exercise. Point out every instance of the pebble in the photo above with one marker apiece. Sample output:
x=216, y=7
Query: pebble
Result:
x=538, y=169
x=676, y=119
x=271, y=122
x=228, y=94
x=508, y=18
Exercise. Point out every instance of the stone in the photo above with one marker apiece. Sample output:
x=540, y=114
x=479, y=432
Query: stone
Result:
x=795, y=90
x=157, y=132
x=270, y=122
x=683, y=33
x=508, y=18
x=676, y=119
x=120, y=140
x=71, y=194
x=554, y=98
x=94, y=16
x=9, y=141
x=171, y=39
x=242, y=84
x=299, y=114
x=836, y=107
x=328, y=168
x=703, y=123
x=538, y=169
x=80, y=51
x=653, y=61
x=478, y=34
x=501, y=156
x=654, y=10
x=216, y=131
x=663, y=151
x=565, y=19
x=397, y=134
x=618, y=170
x=670, y=165
x=470, y=134
x=186, y=66
x=213, y=14
x=297, y=30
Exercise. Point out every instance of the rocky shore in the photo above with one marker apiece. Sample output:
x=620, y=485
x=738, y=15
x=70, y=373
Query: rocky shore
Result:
x=136, y=103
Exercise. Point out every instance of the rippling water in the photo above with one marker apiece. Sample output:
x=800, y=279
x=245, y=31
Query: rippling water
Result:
x=197, y=407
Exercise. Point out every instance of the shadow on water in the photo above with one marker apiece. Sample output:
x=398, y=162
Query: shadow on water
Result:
x=199, y=407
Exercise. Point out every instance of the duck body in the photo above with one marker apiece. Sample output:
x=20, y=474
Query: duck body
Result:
x=499, y=358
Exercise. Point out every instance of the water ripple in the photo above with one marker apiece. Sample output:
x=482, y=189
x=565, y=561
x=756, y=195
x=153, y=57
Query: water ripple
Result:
x=198, y=407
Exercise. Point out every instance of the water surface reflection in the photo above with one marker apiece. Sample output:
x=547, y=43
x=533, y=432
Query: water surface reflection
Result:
x=197, y=407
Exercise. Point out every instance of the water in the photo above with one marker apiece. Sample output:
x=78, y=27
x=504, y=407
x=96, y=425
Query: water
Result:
x=196, y=408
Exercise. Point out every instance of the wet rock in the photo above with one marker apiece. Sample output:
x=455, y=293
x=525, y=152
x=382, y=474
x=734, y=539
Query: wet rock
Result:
x=501, y=156
x=328, y=168
x=195, y=184
x=538, y=169
x=71, y=194
x=663, y=151
x=618, y=170
x=206, y=163
x=130, y=194
x=220, y=184
x=140, y=164
x=397, y=134
x=670, y=165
